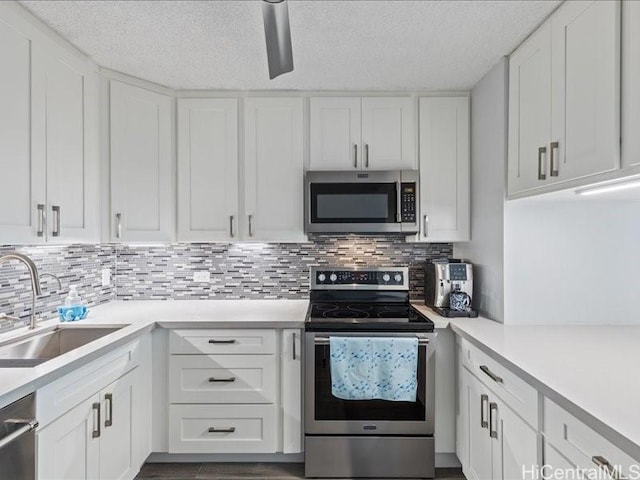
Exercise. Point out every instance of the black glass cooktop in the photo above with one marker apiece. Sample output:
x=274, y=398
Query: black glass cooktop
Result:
x=327, y=316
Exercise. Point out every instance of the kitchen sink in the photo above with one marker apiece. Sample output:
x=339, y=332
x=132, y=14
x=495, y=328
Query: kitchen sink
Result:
x=47, y=345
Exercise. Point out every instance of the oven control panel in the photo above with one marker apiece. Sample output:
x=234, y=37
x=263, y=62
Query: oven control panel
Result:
x=327, y=278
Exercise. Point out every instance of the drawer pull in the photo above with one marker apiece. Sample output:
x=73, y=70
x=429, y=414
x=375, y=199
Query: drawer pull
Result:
x=214, y=379
x=491, y=375
x=95, y=433
x=108, y=421
x=493, y=432
x=484, y=399
x=222, y=430
x=227, y=342
x=610, y=469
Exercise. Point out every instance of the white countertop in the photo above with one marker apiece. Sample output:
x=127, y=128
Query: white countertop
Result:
x=438, y=320
x=591, y=371
x=138, y=318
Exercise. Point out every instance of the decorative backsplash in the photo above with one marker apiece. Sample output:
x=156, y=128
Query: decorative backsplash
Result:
x=241, y=270
x=79, y=265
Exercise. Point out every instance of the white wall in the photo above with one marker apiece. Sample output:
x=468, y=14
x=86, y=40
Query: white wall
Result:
x=572, y=261
x=488, y=176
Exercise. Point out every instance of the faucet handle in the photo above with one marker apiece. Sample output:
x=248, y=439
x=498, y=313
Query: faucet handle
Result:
x=55, y=277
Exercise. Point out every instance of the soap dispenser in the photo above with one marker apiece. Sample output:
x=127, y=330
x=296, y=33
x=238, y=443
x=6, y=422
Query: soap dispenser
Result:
x=73, y=308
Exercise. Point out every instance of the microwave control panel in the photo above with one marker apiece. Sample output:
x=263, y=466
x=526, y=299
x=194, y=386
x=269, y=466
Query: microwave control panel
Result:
x=408, y=206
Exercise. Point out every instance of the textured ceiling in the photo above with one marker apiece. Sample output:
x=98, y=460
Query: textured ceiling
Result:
x=348, y=44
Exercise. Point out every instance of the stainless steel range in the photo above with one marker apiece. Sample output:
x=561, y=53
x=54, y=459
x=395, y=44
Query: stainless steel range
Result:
x=366, y=438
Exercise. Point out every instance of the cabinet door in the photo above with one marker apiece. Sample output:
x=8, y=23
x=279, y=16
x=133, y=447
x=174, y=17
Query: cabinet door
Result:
x=142, y=207
x=530, y=112
x=291, y=393
x=273, y=169
x=65, y=130
x=585, y=98
x=444, y=169
x=207, y=169
x=462, y=410
x=388, y=133
x=23, y=188
x=514, y=443
x=335, y=125
x=67, y=447
x=480, y=460
x=118, y=429
x=631, y=83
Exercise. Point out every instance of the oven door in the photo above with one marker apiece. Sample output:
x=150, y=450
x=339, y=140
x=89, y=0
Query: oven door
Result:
x=326, y=414
x=356, y=202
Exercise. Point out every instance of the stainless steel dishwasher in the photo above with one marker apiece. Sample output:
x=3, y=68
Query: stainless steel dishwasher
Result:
x=18, y=440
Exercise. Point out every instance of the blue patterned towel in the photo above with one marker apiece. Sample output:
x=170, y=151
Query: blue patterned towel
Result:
x=367, y=368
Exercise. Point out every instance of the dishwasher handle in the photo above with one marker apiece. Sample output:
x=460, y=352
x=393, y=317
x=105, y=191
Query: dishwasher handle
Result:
x=26, y=427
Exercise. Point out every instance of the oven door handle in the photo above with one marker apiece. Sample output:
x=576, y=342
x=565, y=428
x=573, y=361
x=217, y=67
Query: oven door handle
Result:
x=325, y=340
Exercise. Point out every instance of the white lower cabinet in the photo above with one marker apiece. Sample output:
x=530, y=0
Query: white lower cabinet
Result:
x=95, y=439
x=235, y=391
x=497, y=443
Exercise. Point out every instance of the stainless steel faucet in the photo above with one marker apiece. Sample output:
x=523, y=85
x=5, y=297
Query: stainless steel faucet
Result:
x=35, y=281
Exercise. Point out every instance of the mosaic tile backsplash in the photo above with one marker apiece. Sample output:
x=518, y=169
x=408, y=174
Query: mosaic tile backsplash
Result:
x=238, y=271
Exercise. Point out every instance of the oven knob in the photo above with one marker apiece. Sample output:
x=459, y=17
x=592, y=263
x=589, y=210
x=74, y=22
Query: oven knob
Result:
x=322, y=277
x=398, y=278
x=386, y=277
x=333, y=277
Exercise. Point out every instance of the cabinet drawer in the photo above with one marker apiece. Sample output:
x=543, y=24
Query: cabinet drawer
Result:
x=222, y=379
x=241, y=429
x=579, y=443
x=515, y=392
x=222, y=341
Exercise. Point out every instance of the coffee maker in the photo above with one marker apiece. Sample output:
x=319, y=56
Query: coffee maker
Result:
x=448, y=287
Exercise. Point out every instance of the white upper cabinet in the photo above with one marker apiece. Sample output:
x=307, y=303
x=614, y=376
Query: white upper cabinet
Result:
x=444, y=169
x=335, y=133
x=564, y=98
x=360, y=133
x=24, y=187
x=630, y=83
x=388, y=133
x=65, y=127
x=273, y=168
x=530, y=112
x=207, y=169
x=48, y=136
x=585, y=88
x=142, y=169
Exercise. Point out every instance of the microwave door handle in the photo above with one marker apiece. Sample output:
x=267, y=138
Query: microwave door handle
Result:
x=398, y=202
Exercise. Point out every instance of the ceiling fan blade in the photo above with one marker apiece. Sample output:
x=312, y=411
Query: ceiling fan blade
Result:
x=275, y=14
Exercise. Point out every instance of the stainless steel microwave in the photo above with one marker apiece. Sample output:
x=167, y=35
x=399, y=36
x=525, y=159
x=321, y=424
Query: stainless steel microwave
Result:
x=367, y=202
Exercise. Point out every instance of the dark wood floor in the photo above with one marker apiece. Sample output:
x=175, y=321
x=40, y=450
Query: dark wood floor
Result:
x=244, y=471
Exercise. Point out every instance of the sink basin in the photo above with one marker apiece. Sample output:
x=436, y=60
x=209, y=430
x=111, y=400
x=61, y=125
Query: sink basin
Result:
x=45, y=346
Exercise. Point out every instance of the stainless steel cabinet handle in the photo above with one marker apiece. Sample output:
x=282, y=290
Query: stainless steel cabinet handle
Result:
x=231, y=226
x=96, y=420
x=398, y=202
x=541, y=174
x=213, y=340
x=366, y=155
x=222, y=430
x=355, y=156
x=118, y=225
x=293, y=336
x=226, y=380
x=491, y=375
x=552, y=147
x=108, y=417
x=27, y=426
x=606, y=465
x=41, y=219
x=251, y=225
x=493, y=432
x=484, y=400
x=56, y=229
x=425, y=225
